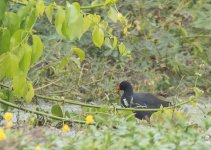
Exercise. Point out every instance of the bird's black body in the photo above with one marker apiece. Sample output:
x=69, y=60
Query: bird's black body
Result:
x=140, y=100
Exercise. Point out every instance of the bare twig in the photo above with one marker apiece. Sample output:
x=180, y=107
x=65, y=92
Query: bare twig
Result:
x=46, y=85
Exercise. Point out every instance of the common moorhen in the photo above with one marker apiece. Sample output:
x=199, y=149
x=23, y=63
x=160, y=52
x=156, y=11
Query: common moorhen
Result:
x=139, y=100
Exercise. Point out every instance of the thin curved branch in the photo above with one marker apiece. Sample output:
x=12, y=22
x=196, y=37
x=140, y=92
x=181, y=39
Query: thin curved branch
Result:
x=46, y=85
x=40, y=113
x=62, y=100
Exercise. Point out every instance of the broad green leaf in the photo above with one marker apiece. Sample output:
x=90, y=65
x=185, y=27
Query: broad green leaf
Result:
x=114, y=42
x=77, y=28
x=110, y=2
x=9, y=64
x=30, y=20
x=73, y=24
x=37, y=48
x=113, y=14
x=73, y=11
x=56, y=110
x=23, y=12
x=49, y=10
x=86, y=23
x=16, y=39
x=20, y=84
x=59, y=19
x=3, y=4
x=19, y=52
x=25, y=1
x=3, y=57
x=30, y=92
x=95, y=19
x=26, y=60
x=107, y=42
x=11, y=21
x=79, y=52
x=40, y=7
x=2, y=72
x=67, y=114
x=4, y=41
x=98, y=36
x=122, y=49
x=3, y=96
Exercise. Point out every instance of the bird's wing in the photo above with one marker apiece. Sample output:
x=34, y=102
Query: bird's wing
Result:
x=149, y=99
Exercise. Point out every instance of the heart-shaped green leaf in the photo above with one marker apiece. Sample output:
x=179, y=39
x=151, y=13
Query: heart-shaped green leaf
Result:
x=56, y=110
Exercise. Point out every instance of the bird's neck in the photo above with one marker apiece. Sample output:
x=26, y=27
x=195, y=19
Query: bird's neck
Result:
x=128, y=91
x=128, y=94
x=126, y=98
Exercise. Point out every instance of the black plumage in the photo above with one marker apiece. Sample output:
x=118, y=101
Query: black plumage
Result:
x=139, y=100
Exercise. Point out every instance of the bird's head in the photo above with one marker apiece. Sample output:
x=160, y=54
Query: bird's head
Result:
x=124, y=85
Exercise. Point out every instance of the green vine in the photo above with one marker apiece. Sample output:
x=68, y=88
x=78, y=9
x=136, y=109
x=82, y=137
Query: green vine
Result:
x=40, y=113
x=61, y=100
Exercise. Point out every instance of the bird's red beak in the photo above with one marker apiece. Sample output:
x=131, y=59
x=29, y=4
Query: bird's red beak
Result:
x=117, y=88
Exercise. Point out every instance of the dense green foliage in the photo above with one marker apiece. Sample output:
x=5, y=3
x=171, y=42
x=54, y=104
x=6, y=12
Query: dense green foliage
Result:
x=59, y=51
x=21, y=47
x=128, y=135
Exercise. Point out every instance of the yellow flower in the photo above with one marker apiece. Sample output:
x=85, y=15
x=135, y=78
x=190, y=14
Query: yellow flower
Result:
x=2, y=135
x=8, y=116
x=89, y=119
x=65, y=128
x=9, y=125
x=37, y=147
